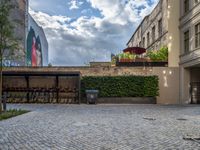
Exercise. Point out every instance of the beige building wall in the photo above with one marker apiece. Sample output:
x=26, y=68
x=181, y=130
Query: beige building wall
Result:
x=173, y=15
x=168, y=85
x=190, y=58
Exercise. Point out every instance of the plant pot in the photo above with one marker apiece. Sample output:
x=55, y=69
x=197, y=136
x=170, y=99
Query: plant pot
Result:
x=140, y=60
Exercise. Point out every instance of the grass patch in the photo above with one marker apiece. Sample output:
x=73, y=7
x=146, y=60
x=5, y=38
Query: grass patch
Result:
x=12, y=113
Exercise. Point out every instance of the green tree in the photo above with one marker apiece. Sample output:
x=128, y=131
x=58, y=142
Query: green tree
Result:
x=50, y=65
x=7, y=41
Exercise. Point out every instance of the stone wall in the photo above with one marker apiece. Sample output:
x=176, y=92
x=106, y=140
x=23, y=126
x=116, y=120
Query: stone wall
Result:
x=169, y=12
x=168, y=77
x=18, y=17
x=159, y=12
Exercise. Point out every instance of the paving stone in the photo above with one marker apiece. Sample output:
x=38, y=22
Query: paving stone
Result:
x=101, y=127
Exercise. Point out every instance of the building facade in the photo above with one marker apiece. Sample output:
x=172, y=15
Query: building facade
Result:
x=160, y=28
x=33, y=45
x=19, y=23
x=190, y=50
x=175, y=24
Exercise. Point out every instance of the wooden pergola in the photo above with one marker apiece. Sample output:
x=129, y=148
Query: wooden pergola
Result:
x=42, y=86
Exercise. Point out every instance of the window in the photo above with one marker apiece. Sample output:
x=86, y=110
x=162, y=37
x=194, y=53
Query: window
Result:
x=197, y=36
x=186, y=6
x=160, y=27
x=153, y=34
x=143, y=42
x=140, y=44
x=197, y=1
x=148, y=41
x=138, y=34
x=186, y=41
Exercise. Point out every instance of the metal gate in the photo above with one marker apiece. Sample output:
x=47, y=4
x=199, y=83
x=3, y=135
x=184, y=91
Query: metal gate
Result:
x=195, y=92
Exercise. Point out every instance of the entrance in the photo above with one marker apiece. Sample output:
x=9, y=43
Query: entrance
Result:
x=195, y=93
x=195, y=85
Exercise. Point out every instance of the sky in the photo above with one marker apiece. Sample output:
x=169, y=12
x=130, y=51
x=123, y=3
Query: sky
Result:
x=80, y=31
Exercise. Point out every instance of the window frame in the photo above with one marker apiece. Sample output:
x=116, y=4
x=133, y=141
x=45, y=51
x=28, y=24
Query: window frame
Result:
x=153, y=34
x=197, y=35
x=186, y=6
x=160, y=28
x=144, y=42
x=186, y=41
x=148, y=39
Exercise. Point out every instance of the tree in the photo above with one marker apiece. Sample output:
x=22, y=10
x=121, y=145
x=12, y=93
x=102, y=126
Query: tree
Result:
x=7, y=41
x=50, y=65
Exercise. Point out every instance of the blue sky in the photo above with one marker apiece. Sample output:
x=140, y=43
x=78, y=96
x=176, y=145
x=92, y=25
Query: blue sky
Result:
x=80, y=31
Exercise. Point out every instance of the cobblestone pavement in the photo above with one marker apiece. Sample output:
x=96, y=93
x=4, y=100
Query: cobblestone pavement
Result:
x=101, y=127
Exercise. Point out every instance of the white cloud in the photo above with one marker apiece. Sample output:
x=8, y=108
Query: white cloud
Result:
x=74, y=4
x=122, y=11
x=88, y=38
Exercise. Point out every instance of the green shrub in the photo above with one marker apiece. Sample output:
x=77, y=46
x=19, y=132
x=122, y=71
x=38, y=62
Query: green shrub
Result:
x=126, y=56
x=158, y=55
x=122, y=86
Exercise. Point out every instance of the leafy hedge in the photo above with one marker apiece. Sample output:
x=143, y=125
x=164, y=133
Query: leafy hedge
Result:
x=122, y=86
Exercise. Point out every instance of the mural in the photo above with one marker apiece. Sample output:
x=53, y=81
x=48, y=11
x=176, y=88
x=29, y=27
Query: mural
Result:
x=36, y=45
x=34, y=49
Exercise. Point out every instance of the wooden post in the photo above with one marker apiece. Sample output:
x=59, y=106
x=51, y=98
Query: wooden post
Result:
x=79, y=89
x=27, y=87
x=57, y=89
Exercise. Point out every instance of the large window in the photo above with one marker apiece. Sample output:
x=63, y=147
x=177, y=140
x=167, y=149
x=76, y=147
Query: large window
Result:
x=140, y=44
x=148, y=40
x=143, y=42
x=186, y=5
x=153, y=34
x=138, y=34
x=160, y=28
x=197, y=36
x=197, y=1
x=186, y=41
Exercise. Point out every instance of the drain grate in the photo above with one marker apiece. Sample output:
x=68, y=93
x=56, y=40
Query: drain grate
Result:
x=194, y=138
x=150, y=119
x=182, y=119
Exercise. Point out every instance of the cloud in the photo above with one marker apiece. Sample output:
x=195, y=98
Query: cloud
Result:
x=75, y=42
x=74, y=4
x=123, y=11
x=85, y=11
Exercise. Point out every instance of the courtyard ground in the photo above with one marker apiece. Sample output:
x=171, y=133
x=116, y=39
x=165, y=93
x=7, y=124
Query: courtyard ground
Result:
x=101, y=127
